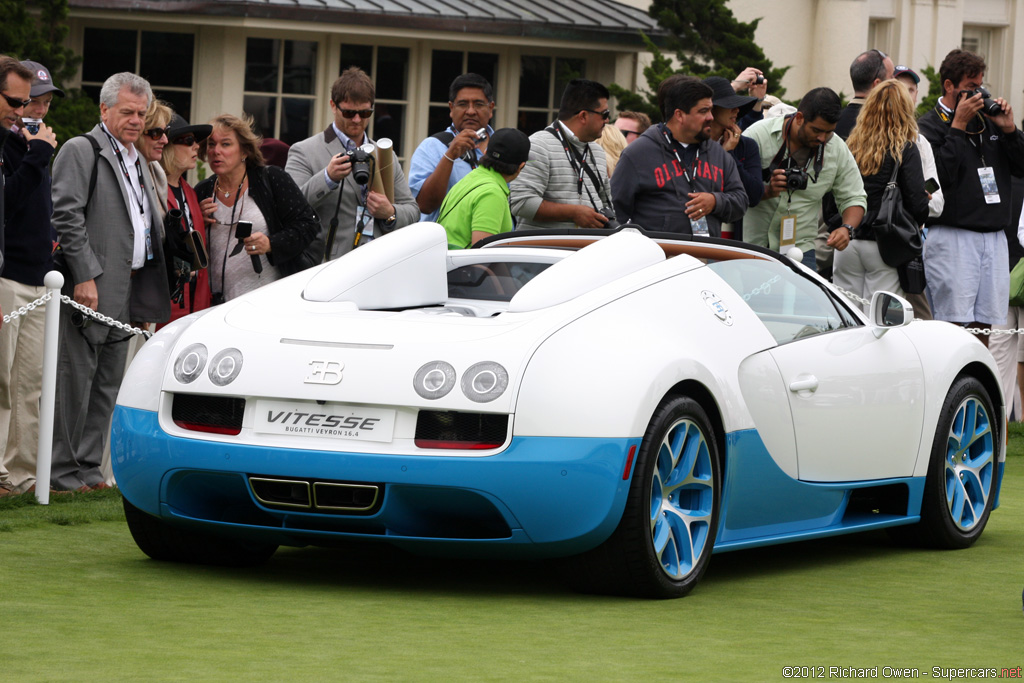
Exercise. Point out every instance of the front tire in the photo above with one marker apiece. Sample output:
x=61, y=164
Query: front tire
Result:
x=664, y=540
x=161, y=541
x=958, y=492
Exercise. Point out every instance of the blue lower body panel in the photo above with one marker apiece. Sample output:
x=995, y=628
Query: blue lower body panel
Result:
x=538, y=497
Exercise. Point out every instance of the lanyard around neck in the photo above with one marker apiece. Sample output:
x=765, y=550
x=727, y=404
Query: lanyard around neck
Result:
x=128, y=178
x=675, y=150
x=578, y=163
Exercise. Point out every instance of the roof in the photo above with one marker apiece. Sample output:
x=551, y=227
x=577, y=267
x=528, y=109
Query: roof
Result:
x=559, y=19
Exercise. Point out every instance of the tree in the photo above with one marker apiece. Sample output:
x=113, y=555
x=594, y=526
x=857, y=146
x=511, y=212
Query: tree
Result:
x=708, y=41
x=929, y=101
x=36, y=30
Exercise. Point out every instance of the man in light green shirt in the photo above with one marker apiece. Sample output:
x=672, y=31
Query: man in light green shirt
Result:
x=787, y=216
x=477, y=206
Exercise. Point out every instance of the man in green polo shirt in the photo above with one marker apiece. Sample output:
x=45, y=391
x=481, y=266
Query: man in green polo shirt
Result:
x=477, y=206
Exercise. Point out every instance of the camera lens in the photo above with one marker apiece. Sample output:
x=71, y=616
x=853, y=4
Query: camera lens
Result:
x=759, y=80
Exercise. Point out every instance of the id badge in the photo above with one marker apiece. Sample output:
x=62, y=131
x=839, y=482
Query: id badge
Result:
x=364, y=225
x=787, y=231
x=988, y=184
x=700, y=226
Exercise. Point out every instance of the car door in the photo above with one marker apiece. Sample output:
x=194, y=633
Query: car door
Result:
x=856, y=400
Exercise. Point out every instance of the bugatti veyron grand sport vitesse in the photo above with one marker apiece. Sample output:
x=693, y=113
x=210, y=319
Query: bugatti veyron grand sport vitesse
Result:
x=630, y=402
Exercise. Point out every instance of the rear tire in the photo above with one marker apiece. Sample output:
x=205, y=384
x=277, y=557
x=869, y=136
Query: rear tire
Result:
x=162, y=541
x=664, y=540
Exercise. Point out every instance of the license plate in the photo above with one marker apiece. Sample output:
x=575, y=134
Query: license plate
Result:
x=328, y=421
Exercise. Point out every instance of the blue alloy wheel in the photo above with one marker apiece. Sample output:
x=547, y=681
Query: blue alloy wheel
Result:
x=961, y=472
x=970, y=464
x=662, y=544
x=682, y=499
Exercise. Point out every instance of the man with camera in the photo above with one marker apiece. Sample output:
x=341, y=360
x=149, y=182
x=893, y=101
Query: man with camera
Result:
x=29, y=238
x=445, y=158
x=675, y=178
x=334, y=172
x=977, y=149
x=801, y=160
x=565, y=185
x=111, y=244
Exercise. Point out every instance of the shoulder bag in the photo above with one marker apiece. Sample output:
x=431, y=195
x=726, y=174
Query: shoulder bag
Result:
x=897, y=233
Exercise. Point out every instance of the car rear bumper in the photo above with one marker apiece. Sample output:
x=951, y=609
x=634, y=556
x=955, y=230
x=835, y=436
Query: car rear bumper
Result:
x=538, y=497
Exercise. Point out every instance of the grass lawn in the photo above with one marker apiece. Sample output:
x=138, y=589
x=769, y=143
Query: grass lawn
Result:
x=81, y=602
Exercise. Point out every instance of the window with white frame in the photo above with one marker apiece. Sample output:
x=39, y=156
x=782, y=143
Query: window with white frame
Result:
x=541, y=82
x=280, y=77
x=987, y=41
x=163, y=58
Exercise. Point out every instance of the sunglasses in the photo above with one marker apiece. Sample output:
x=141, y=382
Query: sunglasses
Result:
x=16, y=103
x=627, y=133
x=606, y=114
x=351, y=113
x=155, y=133
x=187, y=140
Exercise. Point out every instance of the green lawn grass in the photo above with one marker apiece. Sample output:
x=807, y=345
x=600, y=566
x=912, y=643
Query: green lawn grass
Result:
x=81, y=602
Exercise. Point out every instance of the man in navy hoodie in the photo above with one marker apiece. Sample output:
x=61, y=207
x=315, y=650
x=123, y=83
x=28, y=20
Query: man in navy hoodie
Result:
x=29, y=240
x=674, y=178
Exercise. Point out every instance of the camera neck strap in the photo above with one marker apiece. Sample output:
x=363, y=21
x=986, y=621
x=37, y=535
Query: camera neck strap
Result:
x=579, y=164
x=783, y=154
x=691, y=174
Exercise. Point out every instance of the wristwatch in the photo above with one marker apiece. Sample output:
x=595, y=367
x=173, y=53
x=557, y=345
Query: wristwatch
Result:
x=390, y=222
x=849, y=228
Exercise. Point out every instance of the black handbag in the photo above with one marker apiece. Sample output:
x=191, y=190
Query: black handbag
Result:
x=912, y=280
x=896, y=232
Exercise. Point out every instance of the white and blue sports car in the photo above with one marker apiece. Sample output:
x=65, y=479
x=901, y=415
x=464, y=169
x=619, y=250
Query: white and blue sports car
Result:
x=629, y=401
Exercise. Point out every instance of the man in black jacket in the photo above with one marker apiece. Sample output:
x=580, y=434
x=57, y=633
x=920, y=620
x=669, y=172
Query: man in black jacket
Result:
x=977, y=149
x=674, y=178
x=28, y=242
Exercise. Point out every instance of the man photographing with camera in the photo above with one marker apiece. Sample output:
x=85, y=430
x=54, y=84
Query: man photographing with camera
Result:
x=801, y=160
x=977, y=149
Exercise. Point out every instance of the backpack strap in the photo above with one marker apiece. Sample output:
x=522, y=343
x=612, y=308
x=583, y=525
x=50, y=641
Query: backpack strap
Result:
x=95, y=163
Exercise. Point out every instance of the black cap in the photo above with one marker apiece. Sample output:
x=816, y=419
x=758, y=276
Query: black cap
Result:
x=906, y=71
x=42, y=83
x=509, y=145
x=724, y=96
x=179, y=126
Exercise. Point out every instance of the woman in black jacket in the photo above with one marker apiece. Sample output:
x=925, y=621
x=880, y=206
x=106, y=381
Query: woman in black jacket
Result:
x=284, y=237
x=885, y=135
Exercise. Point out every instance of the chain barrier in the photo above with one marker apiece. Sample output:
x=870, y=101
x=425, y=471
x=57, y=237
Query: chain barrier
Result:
x=27, y=308
x=99, y=317
x=993, y=332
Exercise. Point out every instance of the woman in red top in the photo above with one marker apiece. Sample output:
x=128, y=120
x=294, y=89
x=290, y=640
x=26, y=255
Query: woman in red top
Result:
x=191, y=290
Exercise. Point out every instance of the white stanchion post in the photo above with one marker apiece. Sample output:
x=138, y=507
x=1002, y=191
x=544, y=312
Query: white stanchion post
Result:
x=51, y=333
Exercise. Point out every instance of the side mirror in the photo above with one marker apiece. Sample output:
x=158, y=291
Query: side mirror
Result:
x=888, y=310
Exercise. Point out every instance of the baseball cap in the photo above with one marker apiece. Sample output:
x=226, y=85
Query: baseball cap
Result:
x=42, y=83
x=901, y=70
x=724, y=96
x=509, y=145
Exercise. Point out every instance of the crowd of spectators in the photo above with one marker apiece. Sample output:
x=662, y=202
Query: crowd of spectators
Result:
x=137, y=243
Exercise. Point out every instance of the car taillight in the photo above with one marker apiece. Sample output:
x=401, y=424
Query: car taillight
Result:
x=210, y=414
x=460, y=431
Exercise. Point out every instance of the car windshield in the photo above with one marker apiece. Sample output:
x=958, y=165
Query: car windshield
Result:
x=493, y=281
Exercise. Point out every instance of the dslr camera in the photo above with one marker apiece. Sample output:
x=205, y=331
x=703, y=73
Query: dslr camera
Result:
x=988, y=105
x=609, y=213
x=361, y=158
x=796, y=179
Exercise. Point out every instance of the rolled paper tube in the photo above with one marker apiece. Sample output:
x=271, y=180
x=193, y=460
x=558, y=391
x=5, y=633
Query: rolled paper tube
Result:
x=384, y=174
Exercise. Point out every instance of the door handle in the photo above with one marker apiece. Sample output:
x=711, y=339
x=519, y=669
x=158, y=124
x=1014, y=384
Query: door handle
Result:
x=808, y=384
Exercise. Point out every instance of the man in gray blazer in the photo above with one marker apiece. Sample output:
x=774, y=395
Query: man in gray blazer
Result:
x=319, y=167
x=111, y=247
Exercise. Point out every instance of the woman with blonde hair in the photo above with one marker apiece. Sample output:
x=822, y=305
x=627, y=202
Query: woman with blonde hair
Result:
x=281, y=237
x=883, y=138
x=151, y=147
x=613, y=142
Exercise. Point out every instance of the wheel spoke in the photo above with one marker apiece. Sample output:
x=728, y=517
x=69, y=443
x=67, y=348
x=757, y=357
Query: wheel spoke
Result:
x=969, y=462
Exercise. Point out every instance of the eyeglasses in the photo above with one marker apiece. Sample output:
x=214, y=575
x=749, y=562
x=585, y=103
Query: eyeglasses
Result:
x=627, y=133
x=606, y=114
x=187, y=140
x=351, y=113
x=15, y=102
x=155, y=133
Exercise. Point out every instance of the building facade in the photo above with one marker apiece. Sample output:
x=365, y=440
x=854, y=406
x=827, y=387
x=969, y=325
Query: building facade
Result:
x=277, y=59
